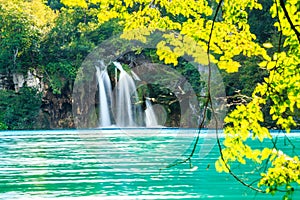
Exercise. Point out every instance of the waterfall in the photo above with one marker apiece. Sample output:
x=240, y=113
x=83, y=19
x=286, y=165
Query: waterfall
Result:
x=151, y=120
x=105, y=95
x=127, y=106
x=128, y=113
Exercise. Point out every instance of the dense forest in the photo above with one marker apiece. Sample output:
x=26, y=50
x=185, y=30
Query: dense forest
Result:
x=43, y=44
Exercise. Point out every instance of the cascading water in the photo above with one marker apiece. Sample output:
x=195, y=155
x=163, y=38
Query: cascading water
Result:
x=150, y=117
x=128, y=111
x=105, y=96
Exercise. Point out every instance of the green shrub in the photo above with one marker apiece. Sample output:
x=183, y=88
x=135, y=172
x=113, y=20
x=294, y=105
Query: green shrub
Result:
x=3, y=126
x=19, y=110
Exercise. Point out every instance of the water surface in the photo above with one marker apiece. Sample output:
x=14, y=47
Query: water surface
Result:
x=121, y=164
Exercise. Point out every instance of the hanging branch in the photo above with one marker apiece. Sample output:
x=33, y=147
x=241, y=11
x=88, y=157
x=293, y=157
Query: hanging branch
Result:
x=293, y=27
x=279, y=51
x=207, y=102
x=213, y=111
x=200, y=126
x=280, y=26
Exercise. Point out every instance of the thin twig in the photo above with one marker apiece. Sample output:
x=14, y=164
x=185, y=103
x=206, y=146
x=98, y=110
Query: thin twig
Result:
x=200, y=126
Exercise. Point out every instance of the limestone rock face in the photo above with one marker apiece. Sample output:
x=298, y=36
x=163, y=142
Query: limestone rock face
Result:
x=32, y=79
x=18, y=80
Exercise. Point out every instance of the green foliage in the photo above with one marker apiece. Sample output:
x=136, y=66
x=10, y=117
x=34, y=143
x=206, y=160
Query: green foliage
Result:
x=54, y=4
x=75, y=34
x=191, y=73
x=22, y=28
x=17, y=40
x=261, y=23
x=284, y=171
x=19, y=110
x=3, y=126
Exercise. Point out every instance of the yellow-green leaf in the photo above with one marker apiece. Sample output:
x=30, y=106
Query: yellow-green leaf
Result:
x=267, y=45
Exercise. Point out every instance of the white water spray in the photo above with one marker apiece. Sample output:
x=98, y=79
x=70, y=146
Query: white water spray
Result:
x=128, y=112
x=105, y=96
x=151, y=120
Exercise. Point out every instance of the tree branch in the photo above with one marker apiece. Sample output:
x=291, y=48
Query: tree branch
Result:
x=214, y=113
x=289, y=19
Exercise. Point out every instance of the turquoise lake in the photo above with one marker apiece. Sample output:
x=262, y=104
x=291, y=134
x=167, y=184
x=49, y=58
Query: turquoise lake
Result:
x=124, y=164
